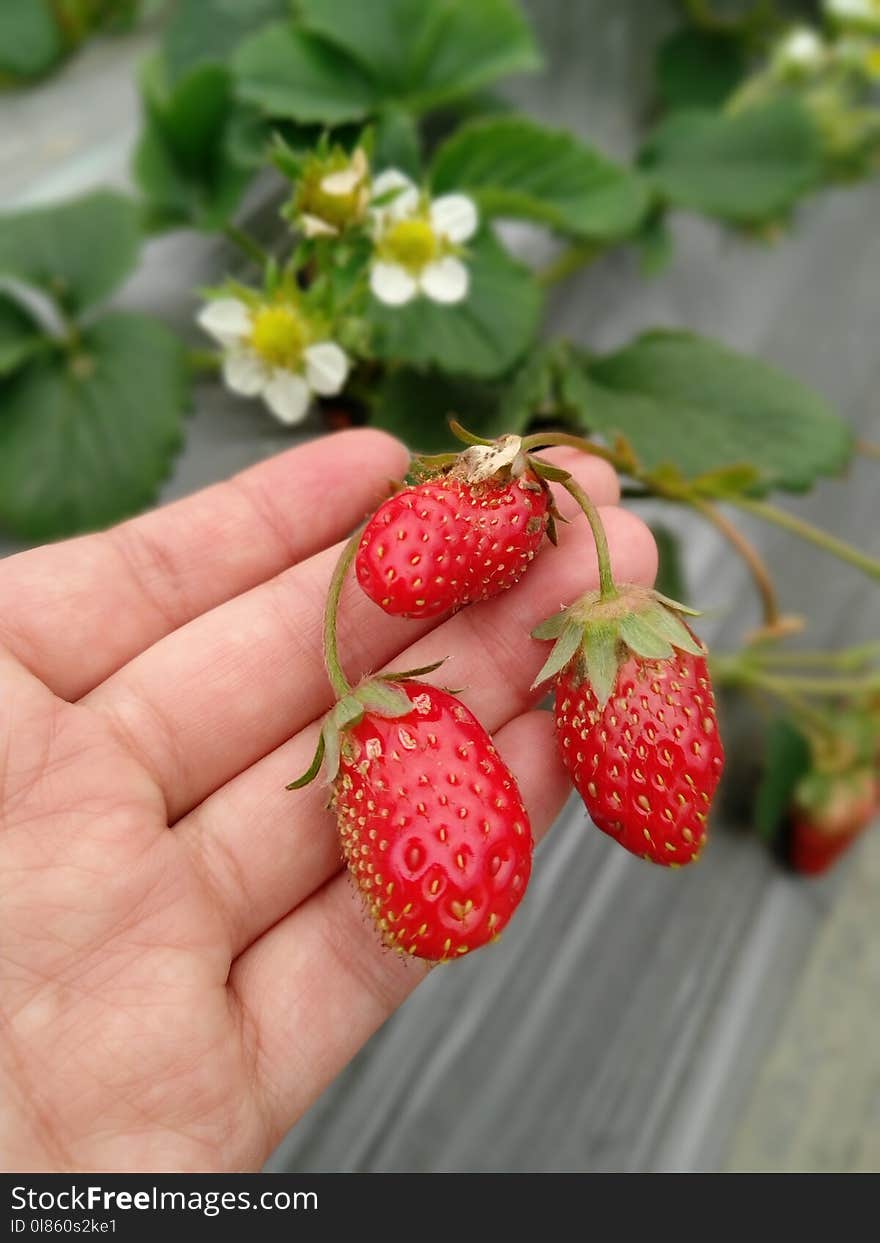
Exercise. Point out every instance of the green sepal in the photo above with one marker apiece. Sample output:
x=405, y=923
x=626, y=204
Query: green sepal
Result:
x=405, y=675
x=642, y=639
x=389, y=701
x=669, y=626
x=330, y=734
x=349, y=711
x=468, y=438
x=601, y=659
x=676, y=605
x=555, y=474
x=313, y=769
x=563, y=650
x=552, y=627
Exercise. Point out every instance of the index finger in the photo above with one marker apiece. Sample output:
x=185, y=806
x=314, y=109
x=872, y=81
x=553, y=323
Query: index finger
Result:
x=75, y=612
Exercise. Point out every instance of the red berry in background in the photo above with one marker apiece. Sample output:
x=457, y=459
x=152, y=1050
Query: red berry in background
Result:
x=448, y=542
x=829, y=812
x=432, y=825
x=636, y=724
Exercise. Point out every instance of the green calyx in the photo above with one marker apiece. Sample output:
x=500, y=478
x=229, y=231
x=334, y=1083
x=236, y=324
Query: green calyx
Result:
x=602, y=633
x=380, y=696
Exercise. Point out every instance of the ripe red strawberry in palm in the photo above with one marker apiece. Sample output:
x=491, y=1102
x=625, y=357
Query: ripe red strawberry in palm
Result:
x=431, y=822
x=829, y=812
x=463, y=536
x=635, y=721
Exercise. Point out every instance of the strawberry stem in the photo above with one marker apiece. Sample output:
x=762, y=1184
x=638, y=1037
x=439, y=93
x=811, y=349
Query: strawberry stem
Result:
x=335, y=673
x=750, y=555
x=848, y=658
x=814, y=535
x=545, y=440
x=607, y=589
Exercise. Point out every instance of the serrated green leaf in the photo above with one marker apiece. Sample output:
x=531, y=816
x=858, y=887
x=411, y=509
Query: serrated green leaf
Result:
x=20, y=335
x=515, y=167
x=387, y=700
x=424, y=53
x=290, y=73
x=184, y=162
x=482, y=336
x=667, y=625
x=640, y=637
x=683, y=400
x=77, y=251
x=601, y=655
x=563, y=650
x=415, y=406
x=551, y=627
x=201, y=31
x=699, y=68
x=30, y=38
x=748, y=167
x=87, y=440
x=786, y=759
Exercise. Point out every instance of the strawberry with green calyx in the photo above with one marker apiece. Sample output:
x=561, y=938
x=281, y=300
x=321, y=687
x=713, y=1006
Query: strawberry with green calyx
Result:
x=466, y=531
x=431, y=823
x=635, y=713
x=829, y=811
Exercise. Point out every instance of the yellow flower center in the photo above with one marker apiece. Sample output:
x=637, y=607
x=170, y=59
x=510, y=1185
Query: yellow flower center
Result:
x=411, y=243
x=279, y=336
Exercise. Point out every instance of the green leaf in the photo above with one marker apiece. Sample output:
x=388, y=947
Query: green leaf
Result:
x=670, y=579
x=415, y=406
x=482, y=335
x=515, y=167
x=691, y=403
x=20, y=335
x=209, y=30
x=786, y=759
x=748, y=167
x=699, y=68
x=77, y=251
x=427, y=52
x=184, y=162
x=86, y=440
x=290, y=73
x=30, y=38
x=396, y=143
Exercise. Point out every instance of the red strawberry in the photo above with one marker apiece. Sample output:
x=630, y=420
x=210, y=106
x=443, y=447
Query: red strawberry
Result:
x=829, y=812
x=636, y=722
x=460, y=537
x=432, y=824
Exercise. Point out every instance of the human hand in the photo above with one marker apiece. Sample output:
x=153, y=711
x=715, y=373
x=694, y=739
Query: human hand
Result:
x=183, y=968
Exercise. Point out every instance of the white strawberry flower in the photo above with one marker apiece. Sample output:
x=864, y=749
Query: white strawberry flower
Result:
x=418, y=242
x=801, y=49
x=270, y=351
x=860, y=12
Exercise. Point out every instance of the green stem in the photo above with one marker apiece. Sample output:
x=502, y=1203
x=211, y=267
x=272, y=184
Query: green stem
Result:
x=732, y=671
x=851, y=658
x=246, y=244
x=813, y=535
x=607, y=589
x=545, y=440
x=335, y=673
x=750, y=555
x=203, y=360
x=569, y=261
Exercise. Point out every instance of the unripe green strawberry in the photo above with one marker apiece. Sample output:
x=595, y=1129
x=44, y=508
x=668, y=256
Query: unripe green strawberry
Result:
x=432, y=825
x=635, y=721
x=463, y=536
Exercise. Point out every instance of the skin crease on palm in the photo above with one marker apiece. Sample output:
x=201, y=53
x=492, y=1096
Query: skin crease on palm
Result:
x=183, y=964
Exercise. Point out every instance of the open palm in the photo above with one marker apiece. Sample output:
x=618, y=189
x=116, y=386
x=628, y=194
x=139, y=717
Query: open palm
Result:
x=183, y=968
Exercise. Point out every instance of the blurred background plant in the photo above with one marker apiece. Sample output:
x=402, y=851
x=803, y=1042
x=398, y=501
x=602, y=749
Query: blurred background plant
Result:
x=390, y=288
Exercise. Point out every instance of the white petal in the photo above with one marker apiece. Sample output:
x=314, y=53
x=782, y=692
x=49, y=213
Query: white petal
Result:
x=287, y=396
x=392, y=284
x=225, y=319
x=341, y=182
x=454, y=216
x=326, y=368
x=314, y=226
x=447, y=280
x=403, y=204
x=244, y=373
